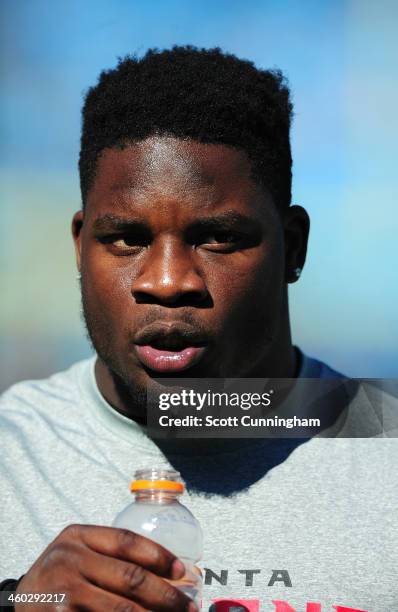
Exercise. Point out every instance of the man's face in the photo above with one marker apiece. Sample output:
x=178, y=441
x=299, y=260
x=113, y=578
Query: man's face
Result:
x=182, y=260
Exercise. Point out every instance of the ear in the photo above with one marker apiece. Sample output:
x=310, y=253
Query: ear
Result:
x=296, y=224
x=77, y=225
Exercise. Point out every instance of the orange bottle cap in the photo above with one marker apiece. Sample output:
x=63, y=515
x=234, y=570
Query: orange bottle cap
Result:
x=156, y=485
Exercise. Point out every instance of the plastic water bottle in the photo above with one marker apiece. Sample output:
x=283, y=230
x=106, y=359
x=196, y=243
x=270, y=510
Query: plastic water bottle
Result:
x=157, y=514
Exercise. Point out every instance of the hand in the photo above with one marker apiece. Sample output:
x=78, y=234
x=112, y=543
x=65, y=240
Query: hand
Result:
x=104, y=569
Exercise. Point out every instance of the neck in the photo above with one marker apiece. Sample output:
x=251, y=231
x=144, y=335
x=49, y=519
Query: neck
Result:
x=281, y=361
x=124, y=401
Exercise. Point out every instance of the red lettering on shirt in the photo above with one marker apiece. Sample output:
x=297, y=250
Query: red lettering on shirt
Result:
x=344, y=609
x=237, y=605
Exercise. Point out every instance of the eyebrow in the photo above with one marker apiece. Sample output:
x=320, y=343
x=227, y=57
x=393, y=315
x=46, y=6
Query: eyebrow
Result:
x=114, y=223
x=229, y=219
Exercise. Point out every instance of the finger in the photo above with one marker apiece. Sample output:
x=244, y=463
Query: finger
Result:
x=134, y=582
x=128, y=546
x=92, y=599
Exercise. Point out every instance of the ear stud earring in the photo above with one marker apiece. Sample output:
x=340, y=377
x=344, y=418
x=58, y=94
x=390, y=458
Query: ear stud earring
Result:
x=297, y=272
x=78, y=276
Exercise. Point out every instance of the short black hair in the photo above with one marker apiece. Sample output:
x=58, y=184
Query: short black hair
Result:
x=201, y=94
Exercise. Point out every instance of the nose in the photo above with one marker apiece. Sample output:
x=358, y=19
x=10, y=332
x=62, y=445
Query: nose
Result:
x=169, y=276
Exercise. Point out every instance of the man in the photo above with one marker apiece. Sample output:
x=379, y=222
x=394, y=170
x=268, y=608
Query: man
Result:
x=185, y=246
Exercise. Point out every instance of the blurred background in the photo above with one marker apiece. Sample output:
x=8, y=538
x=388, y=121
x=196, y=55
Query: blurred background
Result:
x=340, y=57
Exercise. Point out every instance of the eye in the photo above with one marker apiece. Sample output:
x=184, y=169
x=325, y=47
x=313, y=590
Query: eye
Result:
x=222, y=241
x=125, y=244
x=222, y=237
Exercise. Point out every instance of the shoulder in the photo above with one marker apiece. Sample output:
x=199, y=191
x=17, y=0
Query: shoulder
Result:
x=314, y=368
x=50, y=394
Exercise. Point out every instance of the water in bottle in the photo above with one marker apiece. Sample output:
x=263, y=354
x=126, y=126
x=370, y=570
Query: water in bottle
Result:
x=157, y=514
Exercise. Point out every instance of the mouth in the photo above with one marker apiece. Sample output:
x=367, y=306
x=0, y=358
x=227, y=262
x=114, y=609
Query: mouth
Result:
x=169, y=348
x=169, y=361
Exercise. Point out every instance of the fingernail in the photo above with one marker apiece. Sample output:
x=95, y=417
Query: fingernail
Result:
x=177, y=569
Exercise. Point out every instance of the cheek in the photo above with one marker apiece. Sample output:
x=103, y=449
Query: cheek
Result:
x=106, y=291
x=252, y=291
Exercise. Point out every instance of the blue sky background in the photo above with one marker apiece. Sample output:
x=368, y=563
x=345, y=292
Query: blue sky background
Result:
x=340, y=58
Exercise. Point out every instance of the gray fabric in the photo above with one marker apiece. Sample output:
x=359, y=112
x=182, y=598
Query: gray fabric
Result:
x=322, y=510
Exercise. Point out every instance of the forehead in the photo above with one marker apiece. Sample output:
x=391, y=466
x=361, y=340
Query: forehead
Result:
x=167, y=168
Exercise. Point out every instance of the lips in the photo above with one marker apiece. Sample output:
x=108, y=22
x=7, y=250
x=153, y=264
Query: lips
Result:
x=169, y=361
x=171, y=347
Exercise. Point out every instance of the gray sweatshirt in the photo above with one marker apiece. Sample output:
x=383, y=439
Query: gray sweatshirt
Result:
x=286, y=522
